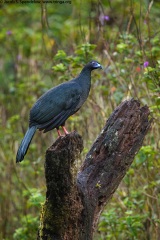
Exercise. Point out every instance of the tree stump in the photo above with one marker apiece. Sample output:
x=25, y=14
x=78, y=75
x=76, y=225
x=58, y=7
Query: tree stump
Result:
x=74, y=201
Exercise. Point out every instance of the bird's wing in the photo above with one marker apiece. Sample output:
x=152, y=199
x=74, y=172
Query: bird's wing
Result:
x=57, y=121
x=58, y=103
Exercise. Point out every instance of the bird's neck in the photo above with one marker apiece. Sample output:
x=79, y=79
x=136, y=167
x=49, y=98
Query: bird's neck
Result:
x=84, y=81
x=84, y=78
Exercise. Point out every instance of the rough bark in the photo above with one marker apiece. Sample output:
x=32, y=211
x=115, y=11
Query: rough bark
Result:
x=74, y=203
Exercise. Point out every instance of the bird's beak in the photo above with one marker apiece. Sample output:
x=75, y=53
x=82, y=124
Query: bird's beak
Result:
x=99, y=66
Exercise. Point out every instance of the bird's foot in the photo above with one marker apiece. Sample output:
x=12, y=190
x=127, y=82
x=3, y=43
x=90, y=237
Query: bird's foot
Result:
x=59, y=133
x=65, y=130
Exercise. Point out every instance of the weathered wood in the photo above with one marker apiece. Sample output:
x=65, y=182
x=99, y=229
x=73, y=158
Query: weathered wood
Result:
x=73, y=204
x=61, y=210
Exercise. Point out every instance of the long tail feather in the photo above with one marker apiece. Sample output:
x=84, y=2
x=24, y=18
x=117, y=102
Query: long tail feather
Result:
x=25, y=143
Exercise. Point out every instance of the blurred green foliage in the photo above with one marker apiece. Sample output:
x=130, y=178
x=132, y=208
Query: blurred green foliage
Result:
x=42, y=45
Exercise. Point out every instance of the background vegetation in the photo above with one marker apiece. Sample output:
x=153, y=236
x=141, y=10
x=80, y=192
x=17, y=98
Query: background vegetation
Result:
x=42, y=45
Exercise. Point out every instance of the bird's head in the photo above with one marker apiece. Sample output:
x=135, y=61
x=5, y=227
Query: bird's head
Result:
x=93, y=65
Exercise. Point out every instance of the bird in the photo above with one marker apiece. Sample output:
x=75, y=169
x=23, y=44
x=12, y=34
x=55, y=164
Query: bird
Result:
x=56, y=105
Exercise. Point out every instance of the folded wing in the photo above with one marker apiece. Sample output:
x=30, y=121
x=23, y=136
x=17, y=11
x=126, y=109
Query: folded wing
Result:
x=55, y=106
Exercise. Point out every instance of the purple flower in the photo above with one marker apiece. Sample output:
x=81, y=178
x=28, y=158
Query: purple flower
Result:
x=106, y=17
x=19, y=57
x=9, y=32
x=103, y=18
x=145, y=64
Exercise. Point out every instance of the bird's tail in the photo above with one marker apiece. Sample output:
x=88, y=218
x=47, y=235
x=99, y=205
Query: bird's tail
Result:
x=25, y=143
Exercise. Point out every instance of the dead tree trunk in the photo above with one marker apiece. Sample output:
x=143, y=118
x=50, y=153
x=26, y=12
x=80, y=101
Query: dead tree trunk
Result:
x=74, y=203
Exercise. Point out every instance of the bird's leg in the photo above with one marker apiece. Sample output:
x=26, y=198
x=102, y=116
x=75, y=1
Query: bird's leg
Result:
x=65, y=130
x=59, y=133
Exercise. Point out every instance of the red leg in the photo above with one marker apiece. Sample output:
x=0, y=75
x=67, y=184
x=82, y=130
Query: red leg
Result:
x=65, y=130
x=59, y=133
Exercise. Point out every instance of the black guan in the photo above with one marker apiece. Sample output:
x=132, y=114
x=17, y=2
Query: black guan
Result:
x=56, y=105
